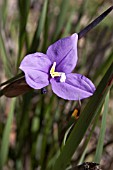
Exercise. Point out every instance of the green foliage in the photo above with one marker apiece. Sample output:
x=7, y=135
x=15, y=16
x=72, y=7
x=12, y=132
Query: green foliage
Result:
x=6, y=134
x=102, y=132
x=23, y=11
x=39, y=28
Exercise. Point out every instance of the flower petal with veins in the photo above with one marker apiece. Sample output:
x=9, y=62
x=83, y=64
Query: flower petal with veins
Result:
x=64, y=53
x=74, y=88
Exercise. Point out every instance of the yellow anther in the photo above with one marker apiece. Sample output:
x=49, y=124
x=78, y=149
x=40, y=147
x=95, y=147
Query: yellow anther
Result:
x=57, y=74
x=53, y=68
x=52, y=71
x=75, y=114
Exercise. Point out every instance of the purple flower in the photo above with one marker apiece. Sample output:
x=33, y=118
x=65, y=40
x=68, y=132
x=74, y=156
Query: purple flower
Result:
x=55, y=68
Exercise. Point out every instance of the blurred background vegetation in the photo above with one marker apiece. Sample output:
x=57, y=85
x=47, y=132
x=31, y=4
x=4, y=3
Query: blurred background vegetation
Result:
x=33, y=126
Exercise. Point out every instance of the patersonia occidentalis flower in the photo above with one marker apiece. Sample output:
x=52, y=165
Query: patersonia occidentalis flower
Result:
x=55, y=68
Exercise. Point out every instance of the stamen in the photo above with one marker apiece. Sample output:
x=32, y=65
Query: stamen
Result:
x=53, y=68
x=57, y=74
x=63, y=77
x=52, y=71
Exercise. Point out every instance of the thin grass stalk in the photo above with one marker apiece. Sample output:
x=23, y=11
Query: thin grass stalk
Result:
x=6, y=135
x=61, y=18
x=100, y=144
x=24, y=11
x=4, y=56
x=39, y=28
x=3, y=12
x=89, y=137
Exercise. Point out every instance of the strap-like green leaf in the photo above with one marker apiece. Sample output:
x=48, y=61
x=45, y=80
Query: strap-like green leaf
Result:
x=6, y=134
x=61, y=18
x=24, y=12
x=102, y=131
x=39, y=29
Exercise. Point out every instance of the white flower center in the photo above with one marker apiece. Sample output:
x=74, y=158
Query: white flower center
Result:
x=62, y=75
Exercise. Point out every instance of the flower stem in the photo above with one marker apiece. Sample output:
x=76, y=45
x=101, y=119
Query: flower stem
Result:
x=94, y=23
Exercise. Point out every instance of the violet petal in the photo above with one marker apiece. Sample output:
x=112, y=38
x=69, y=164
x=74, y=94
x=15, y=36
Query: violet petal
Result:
x=64, y=53
x=36, y=79
x=36, y=61
x=82, y=82
x=76, y=87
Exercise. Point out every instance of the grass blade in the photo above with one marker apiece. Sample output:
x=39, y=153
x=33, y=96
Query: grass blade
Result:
x=102, y=132
x=61, y=18
x=4, y=56
x=89, y=137
x=6, y=134
x=3, y=12
x=12, y=79
x=94, y=23
x=102, y=69
x=39, y=29
x=24, y=11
